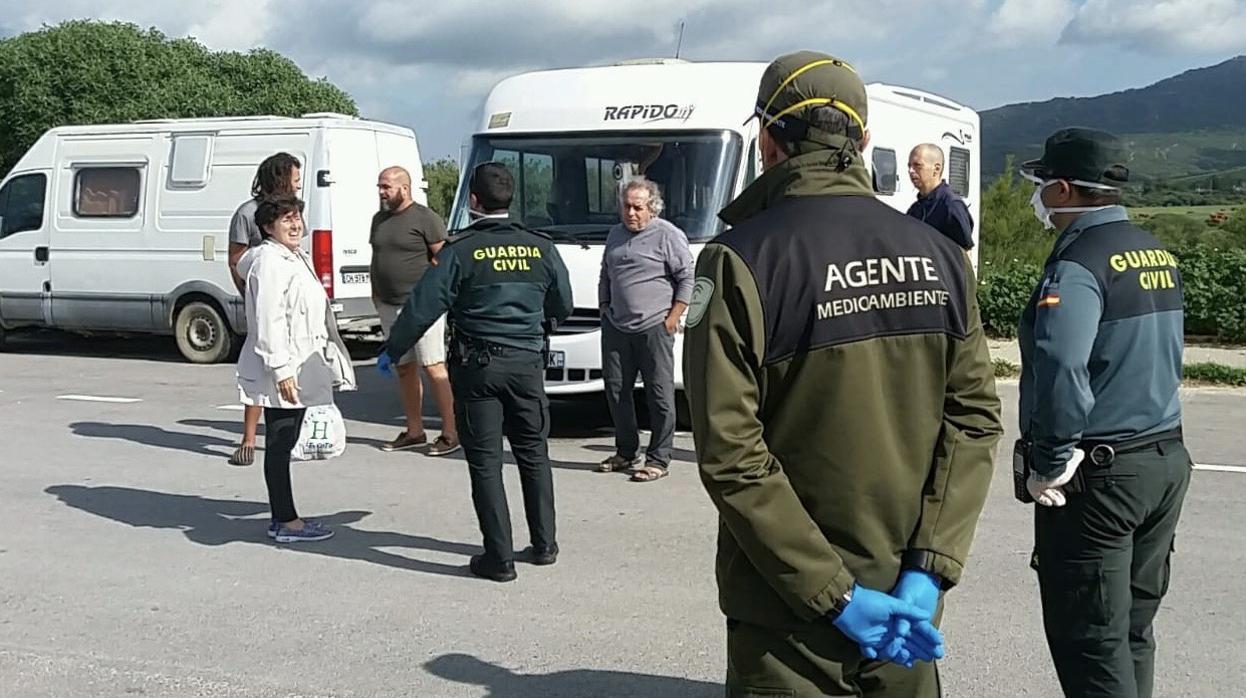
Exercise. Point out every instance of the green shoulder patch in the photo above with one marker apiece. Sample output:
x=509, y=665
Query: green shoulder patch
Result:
x=702, y=290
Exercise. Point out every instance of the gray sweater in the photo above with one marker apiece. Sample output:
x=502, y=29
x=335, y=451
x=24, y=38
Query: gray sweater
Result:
x=644, y=274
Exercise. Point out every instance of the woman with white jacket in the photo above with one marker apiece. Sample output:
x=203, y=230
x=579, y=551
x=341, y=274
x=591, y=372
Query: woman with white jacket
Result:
x=293, y=357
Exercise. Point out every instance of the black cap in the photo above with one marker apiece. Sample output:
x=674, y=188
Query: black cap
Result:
x=1084, y=154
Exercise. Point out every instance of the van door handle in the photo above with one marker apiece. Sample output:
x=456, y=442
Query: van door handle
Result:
x=41, y=254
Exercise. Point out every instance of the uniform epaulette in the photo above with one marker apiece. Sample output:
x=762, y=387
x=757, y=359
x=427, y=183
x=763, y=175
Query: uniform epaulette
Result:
x=459, y=237
x=540, y=233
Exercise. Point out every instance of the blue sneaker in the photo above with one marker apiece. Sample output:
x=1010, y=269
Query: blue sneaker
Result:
x=273, y=527
x=311, y=531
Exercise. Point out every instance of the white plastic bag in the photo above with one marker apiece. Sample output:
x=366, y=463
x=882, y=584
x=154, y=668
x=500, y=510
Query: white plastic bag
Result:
x=322, y=436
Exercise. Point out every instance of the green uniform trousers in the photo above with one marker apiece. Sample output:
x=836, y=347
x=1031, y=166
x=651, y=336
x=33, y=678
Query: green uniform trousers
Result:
x=819, y=661
x=1103, y=563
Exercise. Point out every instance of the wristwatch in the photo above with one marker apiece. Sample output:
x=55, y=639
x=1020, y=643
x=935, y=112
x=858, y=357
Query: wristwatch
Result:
x=838, y=604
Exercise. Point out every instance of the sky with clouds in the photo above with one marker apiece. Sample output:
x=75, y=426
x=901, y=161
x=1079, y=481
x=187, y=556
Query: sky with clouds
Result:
x=429, y=64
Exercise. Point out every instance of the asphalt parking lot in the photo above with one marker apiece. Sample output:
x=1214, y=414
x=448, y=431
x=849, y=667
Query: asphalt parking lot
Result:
x=134, y=560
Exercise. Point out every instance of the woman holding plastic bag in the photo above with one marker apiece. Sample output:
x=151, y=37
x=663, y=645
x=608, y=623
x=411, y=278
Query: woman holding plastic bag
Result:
x=293, y=357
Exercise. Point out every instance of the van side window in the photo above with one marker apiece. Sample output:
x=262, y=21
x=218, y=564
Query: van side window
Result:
x=107, y=192
x=192, y=158
x=885, y=176
x=21, y=204
x=958, y=170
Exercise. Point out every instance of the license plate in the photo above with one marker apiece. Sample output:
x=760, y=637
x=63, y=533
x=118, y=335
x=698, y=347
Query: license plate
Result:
x=557, y=359
x=356, y=277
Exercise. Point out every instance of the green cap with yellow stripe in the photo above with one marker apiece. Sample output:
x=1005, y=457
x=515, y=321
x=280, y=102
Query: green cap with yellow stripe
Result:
x=796, y=83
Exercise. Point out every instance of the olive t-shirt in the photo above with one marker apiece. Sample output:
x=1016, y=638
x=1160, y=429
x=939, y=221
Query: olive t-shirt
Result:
x=400, y=250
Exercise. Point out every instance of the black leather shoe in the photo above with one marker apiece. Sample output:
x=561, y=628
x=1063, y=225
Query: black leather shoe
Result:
x=504, y=572
x=542, y=556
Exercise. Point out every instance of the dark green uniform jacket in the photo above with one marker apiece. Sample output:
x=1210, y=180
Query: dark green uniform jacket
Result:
x=497, y=279
x=842, y=396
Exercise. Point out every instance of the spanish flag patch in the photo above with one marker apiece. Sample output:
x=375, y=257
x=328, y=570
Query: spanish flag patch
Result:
x=1049, y=300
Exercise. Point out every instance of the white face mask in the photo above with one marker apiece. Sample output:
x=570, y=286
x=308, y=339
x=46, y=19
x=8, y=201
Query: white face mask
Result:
x=1043, y=213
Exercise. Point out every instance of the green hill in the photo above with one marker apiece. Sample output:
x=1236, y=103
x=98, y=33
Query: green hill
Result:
x=1190, y=125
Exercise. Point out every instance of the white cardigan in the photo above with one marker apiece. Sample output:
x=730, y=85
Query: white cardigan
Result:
x=291, y=331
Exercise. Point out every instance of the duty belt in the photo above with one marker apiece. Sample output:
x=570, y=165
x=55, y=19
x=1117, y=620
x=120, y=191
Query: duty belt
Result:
x=1103, y=453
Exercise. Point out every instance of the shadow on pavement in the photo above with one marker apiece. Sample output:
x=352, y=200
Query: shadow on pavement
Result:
x=215, y=522
x=504, y=683
x=149, y=435
x=676, y=453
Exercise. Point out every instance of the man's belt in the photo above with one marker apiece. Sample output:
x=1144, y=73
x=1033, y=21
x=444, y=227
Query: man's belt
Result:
x=1102, y=453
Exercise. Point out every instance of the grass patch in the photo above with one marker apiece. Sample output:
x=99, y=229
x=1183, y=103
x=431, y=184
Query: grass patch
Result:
x=1215, y=374
x=1203, y=373
x=1199, y=212
x=1006, y=369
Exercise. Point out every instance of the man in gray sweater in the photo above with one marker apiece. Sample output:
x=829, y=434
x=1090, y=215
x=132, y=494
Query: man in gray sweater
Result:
x=645, y=286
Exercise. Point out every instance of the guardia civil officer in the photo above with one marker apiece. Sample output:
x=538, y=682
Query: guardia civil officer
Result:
x=500, y=282
x=843, y=406
x=1101, y=344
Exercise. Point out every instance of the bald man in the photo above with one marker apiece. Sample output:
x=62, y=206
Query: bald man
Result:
x=405, y=240
x=937, y=205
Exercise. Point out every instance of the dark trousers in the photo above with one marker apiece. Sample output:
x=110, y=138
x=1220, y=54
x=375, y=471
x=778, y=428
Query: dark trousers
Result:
x=503, y=393
x=651, y=354
x=819, y=661
x=1103, y=564
x=281, y=432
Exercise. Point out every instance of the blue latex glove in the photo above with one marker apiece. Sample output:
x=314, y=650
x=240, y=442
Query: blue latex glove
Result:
x=384, y=364
x=871, y=621
x=920, y=589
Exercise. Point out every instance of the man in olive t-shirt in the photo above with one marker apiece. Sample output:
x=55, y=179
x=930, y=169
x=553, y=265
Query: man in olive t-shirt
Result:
x=405, y=240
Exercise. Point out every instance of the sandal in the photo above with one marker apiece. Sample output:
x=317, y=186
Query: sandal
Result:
x=616, y=464
x=243, y=455
x=650, y=473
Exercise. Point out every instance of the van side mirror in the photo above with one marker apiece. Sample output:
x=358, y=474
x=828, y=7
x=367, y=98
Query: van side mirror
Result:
x=323, y=178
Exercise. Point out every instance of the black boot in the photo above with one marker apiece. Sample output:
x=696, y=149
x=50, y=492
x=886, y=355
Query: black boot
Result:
x=542, y=556
x=498, y=572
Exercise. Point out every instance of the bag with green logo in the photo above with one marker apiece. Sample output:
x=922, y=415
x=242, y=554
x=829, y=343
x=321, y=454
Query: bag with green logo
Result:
x=322, y=436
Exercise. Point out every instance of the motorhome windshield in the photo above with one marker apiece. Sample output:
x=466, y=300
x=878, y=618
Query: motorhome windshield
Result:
x=568, y=185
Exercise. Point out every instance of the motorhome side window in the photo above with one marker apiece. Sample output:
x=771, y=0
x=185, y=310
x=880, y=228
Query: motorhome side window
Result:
x=885, y=176
x=958, y=170
x=21, y=204
x=107, y=192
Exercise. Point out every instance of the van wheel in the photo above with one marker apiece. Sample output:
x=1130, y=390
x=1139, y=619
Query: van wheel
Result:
x=202, y=334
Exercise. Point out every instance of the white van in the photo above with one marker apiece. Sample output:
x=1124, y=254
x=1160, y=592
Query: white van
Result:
x=125, y=228
x=572, y=136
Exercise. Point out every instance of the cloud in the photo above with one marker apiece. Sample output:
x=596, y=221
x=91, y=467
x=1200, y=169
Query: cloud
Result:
x=1173, y=26
x=1029, y=22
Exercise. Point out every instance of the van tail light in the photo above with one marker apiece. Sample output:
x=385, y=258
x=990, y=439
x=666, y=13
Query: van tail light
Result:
x=322, y=258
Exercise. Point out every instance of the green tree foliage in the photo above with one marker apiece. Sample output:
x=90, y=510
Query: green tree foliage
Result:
x=87, y=72
x=443, y=181
x=1010, y=233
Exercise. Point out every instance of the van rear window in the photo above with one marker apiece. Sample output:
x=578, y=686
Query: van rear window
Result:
x=107, y=192
x=958, y=171
x=885, y=176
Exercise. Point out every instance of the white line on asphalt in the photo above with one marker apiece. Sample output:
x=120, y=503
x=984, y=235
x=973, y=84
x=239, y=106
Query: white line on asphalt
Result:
x=235, y=408
x=97, y=398
x=1221, y=468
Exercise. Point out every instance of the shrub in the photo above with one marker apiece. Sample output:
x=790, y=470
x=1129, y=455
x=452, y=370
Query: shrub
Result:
x=1003, y=292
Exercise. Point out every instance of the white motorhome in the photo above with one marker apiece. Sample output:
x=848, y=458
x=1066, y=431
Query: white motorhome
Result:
x=125, y=228
x=572, y=136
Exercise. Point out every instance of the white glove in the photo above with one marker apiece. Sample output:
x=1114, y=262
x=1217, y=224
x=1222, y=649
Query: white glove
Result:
x=1048, y=492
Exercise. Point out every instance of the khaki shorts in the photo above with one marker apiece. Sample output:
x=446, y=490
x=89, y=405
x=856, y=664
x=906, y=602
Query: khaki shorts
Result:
x=430, y=350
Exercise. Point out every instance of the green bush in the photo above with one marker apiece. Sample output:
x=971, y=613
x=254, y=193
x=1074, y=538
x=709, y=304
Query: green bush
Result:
x=1003, y=292
x=1214, y=283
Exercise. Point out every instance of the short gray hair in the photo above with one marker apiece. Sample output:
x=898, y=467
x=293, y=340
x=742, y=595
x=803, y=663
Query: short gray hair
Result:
x=655, y=195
